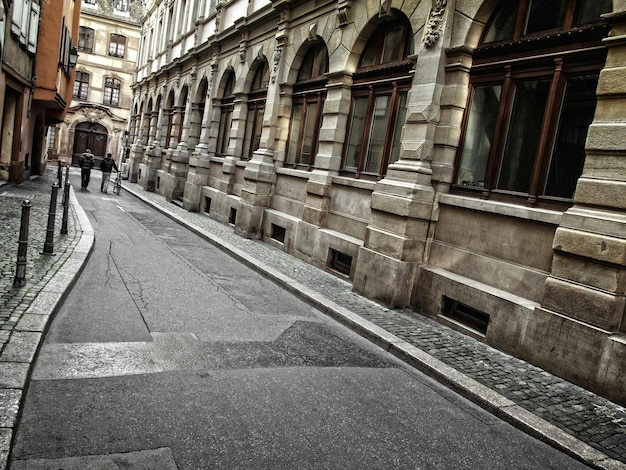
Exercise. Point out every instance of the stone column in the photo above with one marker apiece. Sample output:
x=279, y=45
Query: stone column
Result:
x=402, y=202
x=580, y=329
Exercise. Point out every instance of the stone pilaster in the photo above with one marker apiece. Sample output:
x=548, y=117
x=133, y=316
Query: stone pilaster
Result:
x=331, y=138
x=402, y=202
x=256, y=193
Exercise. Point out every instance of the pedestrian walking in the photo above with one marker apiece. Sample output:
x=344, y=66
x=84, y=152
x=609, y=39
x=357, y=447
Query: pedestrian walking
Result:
x=106, y=166
x=86, y=164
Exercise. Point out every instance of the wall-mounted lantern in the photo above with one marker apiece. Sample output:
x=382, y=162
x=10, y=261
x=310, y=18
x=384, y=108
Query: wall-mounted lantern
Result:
x=73, y=56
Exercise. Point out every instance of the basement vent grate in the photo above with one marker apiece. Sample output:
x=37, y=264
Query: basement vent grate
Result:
x=466, y=315
x=207, y=204
x=232, y=216
x=340, y=262
x=278, y=233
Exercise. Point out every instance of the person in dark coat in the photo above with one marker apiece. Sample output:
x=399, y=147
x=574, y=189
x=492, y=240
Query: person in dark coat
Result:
x=106, y=166
x=86, y=164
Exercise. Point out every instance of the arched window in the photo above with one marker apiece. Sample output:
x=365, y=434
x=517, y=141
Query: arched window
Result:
x=379, y=99
x=226, y=115
x=112, y=91
x=533, y=96
x=256, y=107
x=309, y=93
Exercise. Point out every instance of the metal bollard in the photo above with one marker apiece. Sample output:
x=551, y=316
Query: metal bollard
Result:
x=48, y=246
x=67, y=183
x=66, y=206
x=59, y=173
x=22, y=250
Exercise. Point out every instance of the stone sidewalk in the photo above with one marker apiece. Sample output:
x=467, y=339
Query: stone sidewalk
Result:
x=25, y=312
x=568, y=417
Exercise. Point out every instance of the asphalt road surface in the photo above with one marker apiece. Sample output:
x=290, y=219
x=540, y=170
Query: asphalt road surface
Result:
x=169, y=354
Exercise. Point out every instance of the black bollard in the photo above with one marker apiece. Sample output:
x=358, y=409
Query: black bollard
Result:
x=48, y=246
x=60, y=173
x=66, y=192
x=66, y=206
x=22, y=250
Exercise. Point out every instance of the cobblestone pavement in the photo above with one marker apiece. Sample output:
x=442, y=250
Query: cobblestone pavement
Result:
x=25, y=311
x=579, y=422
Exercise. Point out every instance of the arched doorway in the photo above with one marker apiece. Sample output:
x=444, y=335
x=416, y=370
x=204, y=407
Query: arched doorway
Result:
x=89, y=135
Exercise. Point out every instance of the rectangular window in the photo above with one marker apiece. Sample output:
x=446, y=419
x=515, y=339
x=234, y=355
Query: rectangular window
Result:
x=294, y=134
x=568, y=156
x=25, y=23
x=254, y=125
x=111, y=91
x=378, y=133
x=309, y=139
x=523, y=136
x=479, y=135
x=117, y=45
x=225, y=125
x=359, y=117
x=85, y=39
x=121, y=6
x=81, y=86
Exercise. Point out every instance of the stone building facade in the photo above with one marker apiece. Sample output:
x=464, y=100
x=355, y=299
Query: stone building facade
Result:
x=98, y=116
x=464, y=158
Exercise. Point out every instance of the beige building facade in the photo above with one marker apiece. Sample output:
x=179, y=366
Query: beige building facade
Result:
x=464, y=158
x=98, y=116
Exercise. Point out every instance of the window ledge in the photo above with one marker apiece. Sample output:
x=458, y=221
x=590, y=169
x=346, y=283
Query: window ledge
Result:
x=293, y=172
x=502, y=208
x=354, y=182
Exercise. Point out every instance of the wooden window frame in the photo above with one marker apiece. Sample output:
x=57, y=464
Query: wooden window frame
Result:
x=82, y=78
x=391, y=78
x=310, y=93
x=556, y=58
x=117, y=45
x=86, y=37
x=112, y=84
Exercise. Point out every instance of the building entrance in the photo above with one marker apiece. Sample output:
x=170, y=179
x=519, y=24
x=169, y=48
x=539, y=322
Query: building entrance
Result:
x=90, y=135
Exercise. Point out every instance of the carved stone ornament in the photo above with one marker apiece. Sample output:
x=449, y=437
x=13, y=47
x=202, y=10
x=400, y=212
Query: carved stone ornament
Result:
x=434, y=24
x=94, y=114
x=343, y=12
x=312, y=31
x=385, y=8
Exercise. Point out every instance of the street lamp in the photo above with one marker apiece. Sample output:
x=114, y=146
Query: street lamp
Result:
x=73, y=56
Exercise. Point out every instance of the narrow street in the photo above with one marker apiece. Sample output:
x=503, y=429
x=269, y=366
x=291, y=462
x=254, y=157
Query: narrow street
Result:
x=169, y=354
